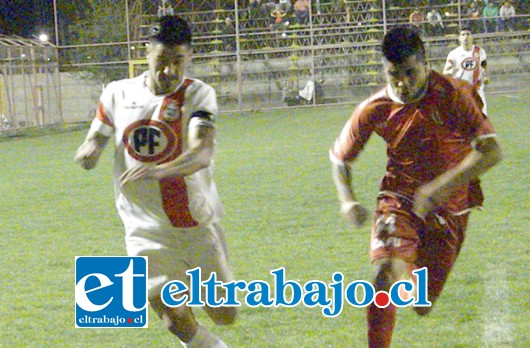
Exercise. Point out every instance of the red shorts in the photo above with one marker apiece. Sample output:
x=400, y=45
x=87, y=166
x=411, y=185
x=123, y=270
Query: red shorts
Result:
x=433, y=243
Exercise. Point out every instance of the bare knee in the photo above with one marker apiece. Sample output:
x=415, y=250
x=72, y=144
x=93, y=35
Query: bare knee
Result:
x=222, y=315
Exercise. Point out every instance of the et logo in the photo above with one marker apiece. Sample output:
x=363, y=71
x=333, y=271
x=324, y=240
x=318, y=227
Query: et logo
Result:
x=111, y=292
x=150, y=141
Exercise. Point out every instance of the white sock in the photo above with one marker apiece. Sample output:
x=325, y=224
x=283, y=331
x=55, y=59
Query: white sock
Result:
x=204, y=339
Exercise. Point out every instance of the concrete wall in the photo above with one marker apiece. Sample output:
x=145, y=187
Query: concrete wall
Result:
x=79, y=97
x=36, y=99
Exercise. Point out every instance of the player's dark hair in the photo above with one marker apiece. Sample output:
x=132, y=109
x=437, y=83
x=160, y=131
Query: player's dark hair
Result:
x=171, y=30
x=464, y=28
x=402, y=42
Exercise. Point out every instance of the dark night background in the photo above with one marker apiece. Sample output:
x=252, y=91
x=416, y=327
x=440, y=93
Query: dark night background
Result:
x=26, y=18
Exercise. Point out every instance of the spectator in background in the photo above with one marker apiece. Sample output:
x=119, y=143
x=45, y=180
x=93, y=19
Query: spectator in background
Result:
x=229, y=32
x=165, y=9
x=253, y=11
x=289, y=94
x=301, y=11
x=507, y=16
x=267, y=7
x=317, y=6
x=490, y=17
x=277, y=16
x=522, y=8
x=416, y=18
x=313, y=87
x=285, y=5
x=473, y=15
x=292, y=96
x=435, y=25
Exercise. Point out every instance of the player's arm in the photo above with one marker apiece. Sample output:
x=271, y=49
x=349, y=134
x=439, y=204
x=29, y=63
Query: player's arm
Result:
x=343, y=153
x=350, y=208
x=450, y=67
x=484, y=66
x=101, y=129
x=342, y=178
x=485, y=154
x=201, y=143
x=88, y=154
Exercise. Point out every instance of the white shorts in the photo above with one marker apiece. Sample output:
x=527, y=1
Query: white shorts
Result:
x=173, y=251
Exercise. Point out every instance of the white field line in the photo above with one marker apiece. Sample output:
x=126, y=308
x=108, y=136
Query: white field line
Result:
x=511, y=96
x=497, y=308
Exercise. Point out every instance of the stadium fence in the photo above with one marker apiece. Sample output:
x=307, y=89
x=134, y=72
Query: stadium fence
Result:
x=252, y=61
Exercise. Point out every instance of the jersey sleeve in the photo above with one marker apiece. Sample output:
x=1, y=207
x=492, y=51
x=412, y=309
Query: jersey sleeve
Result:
x=482, y=55
x=470, y=120
x=203, y=101
x=353, y=137
x=450, y=58
x=103, y=123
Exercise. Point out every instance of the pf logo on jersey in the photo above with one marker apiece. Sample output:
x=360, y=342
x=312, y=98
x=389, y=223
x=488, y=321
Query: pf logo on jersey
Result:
x=469, y=64
x=150, y=141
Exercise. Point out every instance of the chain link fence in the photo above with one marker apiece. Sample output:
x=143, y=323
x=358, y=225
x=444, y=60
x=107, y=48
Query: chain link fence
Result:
x=257, y=57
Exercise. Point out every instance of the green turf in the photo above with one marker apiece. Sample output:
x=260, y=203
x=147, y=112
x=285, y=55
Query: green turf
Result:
x=273, y=175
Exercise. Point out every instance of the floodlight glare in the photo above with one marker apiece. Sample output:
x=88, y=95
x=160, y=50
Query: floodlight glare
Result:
x=43, y=37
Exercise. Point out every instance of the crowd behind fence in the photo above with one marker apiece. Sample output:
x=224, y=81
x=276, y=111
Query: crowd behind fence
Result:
x=255, y=54
x=257, y=58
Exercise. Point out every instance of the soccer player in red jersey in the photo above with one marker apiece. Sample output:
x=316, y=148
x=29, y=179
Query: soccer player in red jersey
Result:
x=438, y=144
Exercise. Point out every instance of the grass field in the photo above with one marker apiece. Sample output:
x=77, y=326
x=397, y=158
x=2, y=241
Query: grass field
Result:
x=273, y=175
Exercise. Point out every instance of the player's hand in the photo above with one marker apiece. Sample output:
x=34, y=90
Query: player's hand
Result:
x=87, y=155
x=135, y=173
x=354, y=212
x=424, y=202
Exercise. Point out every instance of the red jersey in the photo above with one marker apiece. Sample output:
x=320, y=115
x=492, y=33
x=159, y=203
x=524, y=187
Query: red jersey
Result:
x=424, y=139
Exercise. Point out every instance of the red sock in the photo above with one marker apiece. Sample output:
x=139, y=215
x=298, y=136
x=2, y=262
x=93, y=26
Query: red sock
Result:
x=380, y=325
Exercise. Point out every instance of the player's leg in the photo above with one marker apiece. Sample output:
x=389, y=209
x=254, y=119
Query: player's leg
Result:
x=206, y=248
x=441, y=243
x=216, y=260
x=167, y=253
x=181, y=322
x=393, y=249
x=381, y=320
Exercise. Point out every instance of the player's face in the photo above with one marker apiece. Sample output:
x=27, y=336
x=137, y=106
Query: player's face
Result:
x=167, y=65
x=465, y=38
x=408, y=79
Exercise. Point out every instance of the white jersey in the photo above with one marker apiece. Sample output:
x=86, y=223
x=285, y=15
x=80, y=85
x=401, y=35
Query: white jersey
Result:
x=154, y=129
x=468, y=67
x=468, y=64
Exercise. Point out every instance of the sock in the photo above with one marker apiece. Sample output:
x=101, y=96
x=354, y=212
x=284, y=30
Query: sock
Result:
x=380, y=325
x=204, y=339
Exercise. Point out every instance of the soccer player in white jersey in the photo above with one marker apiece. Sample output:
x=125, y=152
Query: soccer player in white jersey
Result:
x=163, y=126
x=468, y=62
